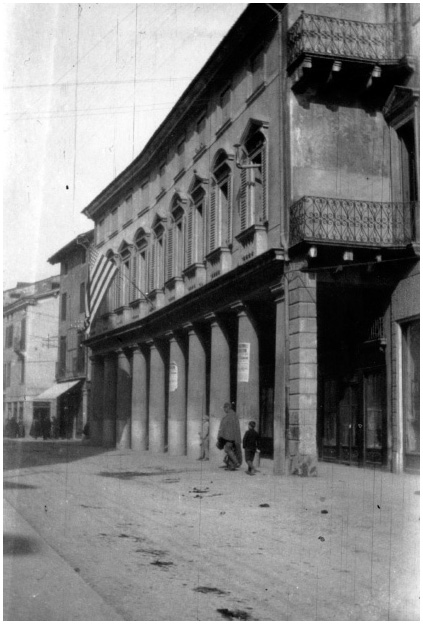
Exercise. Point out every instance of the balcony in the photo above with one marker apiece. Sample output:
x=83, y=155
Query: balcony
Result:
x=358, y=223
x=320, y=47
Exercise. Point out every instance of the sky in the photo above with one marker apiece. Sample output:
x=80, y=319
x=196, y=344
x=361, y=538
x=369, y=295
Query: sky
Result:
x=84, y=88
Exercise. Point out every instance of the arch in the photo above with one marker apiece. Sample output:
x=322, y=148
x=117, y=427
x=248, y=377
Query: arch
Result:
x=220, y=205
x=253, y=188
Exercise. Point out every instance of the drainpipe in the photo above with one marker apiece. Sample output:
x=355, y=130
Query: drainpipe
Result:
x=284, y=222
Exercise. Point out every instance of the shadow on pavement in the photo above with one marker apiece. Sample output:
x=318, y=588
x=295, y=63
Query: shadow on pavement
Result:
x=14, y=544
x=25, y=454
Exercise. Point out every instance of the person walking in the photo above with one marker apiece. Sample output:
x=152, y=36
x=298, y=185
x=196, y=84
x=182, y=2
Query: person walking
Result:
x=230, y=434
x=250, y=444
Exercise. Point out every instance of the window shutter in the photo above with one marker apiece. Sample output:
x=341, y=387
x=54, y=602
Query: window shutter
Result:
x=118, y=288
x=229, y=209
x=169, y=265
x=243, y=200
x=190, y=223
x=152, y=263
x=264, y=181
x=133, y=277
x=212, y=218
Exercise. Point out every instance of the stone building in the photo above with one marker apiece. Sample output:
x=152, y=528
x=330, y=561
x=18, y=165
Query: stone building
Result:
x=272, y=220
x=30, y=316
x=71, y=389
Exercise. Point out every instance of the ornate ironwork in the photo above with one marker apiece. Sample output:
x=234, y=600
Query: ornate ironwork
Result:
x=377, y=330
x=329, y=36
x=327, y=219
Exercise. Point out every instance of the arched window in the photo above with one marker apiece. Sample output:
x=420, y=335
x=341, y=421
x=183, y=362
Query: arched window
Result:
x=124, y=289
x=220, y=210
x=157, y=255
x=194, y=245
x=253, y=189
x=175, y=237
x=140, y=264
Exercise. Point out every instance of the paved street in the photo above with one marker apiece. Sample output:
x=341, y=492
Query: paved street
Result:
x=116, y=535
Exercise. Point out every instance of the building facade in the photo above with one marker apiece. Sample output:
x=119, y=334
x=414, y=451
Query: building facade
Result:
x=72, y=365
x=267, y=240
x=30, y=317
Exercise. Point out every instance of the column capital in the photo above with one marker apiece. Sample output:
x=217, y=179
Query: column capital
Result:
x=239, y=307
x=96, y=359
x=188, y=327
x=210, y=318
x=170, y=335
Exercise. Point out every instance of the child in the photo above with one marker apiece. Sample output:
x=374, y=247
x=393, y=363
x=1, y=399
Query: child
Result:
x=250, y=446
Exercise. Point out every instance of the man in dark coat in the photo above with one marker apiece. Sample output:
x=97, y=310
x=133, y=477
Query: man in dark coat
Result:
x=230, y=432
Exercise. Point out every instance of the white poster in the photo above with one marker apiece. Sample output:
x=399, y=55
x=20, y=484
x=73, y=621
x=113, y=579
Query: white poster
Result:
x=244, y=361
x=173, y=376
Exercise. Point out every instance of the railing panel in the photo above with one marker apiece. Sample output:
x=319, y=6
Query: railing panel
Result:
x=334, y=220
x=329, y=36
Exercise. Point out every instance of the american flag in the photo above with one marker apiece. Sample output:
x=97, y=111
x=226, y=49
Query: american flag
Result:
x=100, y=274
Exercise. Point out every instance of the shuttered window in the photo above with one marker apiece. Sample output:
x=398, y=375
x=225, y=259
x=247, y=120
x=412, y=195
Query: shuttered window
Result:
x=212, y=218
x=170, y=253
x=190, y=237
x=243, y=200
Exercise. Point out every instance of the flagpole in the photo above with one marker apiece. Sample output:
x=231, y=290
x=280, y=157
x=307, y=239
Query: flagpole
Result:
x=81, y=240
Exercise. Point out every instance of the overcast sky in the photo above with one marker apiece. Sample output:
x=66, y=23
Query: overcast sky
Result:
x=82, y=96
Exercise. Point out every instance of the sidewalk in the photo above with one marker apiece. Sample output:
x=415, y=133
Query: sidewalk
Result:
x=167, y=538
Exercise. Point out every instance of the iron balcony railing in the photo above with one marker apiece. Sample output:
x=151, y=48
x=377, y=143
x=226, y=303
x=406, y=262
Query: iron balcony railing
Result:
x=341, y=38
x=367, y=223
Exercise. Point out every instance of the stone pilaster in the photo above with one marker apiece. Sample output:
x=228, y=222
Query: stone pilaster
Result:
x=139, y=409
x=96, y=400
x=157, y=400
x=219, y=381
x=302, y=426
x=109, y=400
x=280, y=402
x=177, y=396
x=123, y=400
x=248, y=392
x=196, y=391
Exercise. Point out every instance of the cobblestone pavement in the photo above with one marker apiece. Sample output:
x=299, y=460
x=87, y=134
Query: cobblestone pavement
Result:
x=134, y=536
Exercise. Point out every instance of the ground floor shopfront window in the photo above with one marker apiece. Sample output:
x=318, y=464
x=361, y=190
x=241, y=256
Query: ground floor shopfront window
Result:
x=411, y=393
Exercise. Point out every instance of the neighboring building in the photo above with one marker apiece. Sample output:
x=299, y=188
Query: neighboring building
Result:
x=273, y=221
x=30, y=316
x=71, y=388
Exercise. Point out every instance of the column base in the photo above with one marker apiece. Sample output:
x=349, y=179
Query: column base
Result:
x=302, y=465
x=139, y=437
x=96, y=432
x=176, y=437
x=156, y=438
x=109, y=433
x=193, y=439
x=123, y=434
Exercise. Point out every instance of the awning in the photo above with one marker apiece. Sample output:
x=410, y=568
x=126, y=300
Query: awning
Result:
x=56, y=390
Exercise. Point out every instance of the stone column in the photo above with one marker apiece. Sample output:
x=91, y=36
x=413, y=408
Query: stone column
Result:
x=302, y=425
x=279, y=418
x=219, y=382
x=123, y=400
x=177, y=397
x=109, y=400
x=196, y=390
x=247, y=389
x=139, y=409
x=157, y=401
x=96, y=400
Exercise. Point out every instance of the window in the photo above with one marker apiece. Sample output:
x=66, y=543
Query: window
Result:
x=257, y=70
x=80, y=353
x=82, y=297
x=140, y=264
x=220, y=212
x=162, y=176
x=83, y=255
x=253, y=191
x=225, y=105
x=23, y=334
x=9, y=337
x=62, y=355
x=409, y=162
x=180, y=152
x=201, y=131
x=112, y=292
x=100, y=231
x=195, y=226
x=65, y=267
x=175, y=241
x=7, y=369
x=156, y=269
x=113, y=222
x=128, y=209
x=22, y=360
x=63, y=307
x=125, y=277
x=144, y=195
x=411, y=392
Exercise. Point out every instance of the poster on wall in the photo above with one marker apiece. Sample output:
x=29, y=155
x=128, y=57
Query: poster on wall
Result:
x=244, y=362
x=173, y=376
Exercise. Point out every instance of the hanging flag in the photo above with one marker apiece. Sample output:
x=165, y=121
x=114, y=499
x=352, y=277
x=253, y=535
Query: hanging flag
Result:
x=100, y=274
